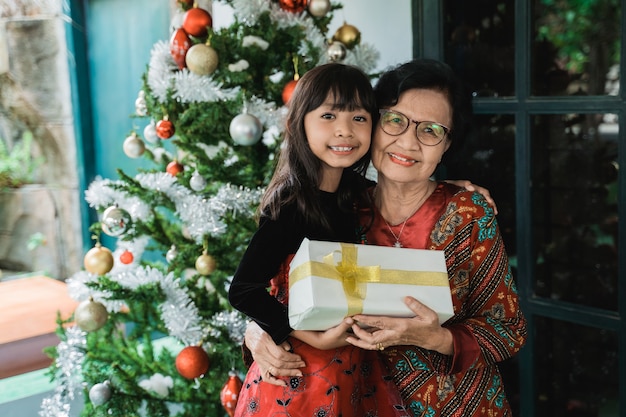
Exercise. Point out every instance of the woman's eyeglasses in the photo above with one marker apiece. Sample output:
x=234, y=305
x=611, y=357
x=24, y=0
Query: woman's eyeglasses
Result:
x=395, y=123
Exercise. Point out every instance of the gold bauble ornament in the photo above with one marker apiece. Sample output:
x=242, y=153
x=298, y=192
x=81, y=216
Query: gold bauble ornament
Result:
x=205, y=264
x=201, y=59
x=348, y=35
x=91, y=315
x=98, y=260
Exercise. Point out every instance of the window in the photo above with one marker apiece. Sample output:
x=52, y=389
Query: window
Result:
x=548, y=143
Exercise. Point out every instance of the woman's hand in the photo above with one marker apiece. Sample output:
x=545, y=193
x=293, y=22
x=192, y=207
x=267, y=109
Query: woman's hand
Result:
x=332, y=338
x=423, y=330
x=273, y=360
x=480, y=190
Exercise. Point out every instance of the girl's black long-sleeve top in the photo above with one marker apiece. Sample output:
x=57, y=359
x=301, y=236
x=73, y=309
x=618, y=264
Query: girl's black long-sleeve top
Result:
x=270, y=245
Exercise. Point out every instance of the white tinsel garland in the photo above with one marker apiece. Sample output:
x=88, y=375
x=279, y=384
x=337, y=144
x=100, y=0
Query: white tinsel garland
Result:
x=364, y=56
x=69, y=363
x=193, y=88
x=178, y=311
x=102, y=193
x=160, y=68
x=200, y=215
x=248, y=11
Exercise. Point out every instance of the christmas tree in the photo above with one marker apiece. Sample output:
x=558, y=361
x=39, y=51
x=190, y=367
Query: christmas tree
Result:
x=154, y=333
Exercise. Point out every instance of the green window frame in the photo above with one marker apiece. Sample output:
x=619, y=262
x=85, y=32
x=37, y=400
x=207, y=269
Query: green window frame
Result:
x=429, y=41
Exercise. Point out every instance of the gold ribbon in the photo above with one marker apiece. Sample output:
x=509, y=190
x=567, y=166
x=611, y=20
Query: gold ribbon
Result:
x=354, y=277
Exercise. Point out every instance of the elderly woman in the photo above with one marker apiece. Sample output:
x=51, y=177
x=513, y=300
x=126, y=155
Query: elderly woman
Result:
x=441, y=369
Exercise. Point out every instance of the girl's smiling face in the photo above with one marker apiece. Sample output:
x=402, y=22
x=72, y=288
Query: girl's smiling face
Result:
x=339, y=138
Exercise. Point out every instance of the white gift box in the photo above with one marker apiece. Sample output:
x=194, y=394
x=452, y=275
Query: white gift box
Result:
x=329, y=281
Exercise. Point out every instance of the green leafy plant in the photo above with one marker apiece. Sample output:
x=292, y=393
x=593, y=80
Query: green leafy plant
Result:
x=17, y=165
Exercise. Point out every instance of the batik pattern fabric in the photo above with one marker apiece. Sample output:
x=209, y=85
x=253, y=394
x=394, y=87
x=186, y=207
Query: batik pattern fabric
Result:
x=488, y=325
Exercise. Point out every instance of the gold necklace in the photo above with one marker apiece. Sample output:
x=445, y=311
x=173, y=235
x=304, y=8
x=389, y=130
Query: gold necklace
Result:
x=397, y=243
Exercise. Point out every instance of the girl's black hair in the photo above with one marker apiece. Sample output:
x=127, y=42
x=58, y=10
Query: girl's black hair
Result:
x=297, y=176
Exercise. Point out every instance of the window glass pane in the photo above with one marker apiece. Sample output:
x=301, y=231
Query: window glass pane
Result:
x=574, y=203
x=576, y=47
x=479, y=44
x=576, y=370
x=487, y=158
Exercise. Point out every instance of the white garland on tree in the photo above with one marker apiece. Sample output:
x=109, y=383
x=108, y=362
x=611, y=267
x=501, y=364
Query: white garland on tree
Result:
x=178, y=312
x=200, y=215
x=69, y=363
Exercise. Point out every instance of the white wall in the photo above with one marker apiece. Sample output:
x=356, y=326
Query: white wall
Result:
x=386, y=24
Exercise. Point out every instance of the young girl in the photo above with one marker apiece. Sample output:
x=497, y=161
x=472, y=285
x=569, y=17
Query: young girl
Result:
x=316, y=189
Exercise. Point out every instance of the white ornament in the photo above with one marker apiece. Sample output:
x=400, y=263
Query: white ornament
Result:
x=246, y=129
x=319, y=8
x=149, y=133
x=159, y=384
x=171, y=254
x=134, y=146
x=197, y=182
x=141, y=108
x=100, y=393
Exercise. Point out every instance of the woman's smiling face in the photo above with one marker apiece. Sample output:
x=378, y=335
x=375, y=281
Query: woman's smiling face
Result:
x=403, y=158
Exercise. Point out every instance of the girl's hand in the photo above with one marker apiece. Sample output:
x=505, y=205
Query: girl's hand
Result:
x=480, y=190
x=332, y=338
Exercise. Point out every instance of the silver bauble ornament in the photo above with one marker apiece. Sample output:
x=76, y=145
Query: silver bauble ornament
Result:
x=100, y=393
x=197, y=182
x=91, y=315
x=134, y=146
x=336, y=51
x=171, y=254
x=319, y=8
x=149, y=133
x=246, y=129
x=115, y=221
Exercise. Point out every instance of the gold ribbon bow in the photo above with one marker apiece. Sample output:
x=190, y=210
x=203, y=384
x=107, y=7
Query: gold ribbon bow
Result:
x=353, y=277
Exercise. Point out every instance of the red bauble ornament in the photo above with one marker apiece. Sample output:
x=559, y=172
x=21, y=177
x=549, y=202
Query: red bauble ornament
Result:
x=174, y=168
x=126, y=257
x=196, y=21
x=192, y=362
x=288, y=90
x=230, y=393
x=165, y=129
x=293, y=6
x=179, y=45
